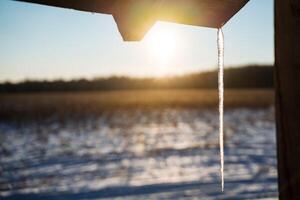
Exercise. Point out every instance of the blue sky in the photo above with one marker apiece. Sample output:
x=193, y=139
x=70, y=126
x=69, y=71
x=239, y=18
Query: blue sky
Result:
x=41, y=42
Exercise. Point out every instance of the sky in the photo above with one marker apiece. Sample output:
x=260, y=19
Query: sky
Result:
x=42, y=42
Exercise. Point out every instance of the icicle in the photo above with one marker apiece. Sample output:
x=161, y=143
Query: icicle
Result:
x=221, y=100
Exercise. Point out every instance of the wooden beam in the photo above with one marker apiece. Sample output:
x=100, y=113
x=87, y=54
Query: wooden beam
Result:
x=135, y=17
x=287, y=80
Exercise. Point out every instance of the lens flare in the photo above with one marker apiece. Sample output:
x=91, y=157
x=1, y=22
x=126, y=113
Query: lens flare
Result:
x=162, y=44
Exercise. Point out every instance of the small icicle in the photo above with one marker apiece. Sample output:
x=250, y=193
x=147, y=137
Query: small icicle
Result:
x=221, y=100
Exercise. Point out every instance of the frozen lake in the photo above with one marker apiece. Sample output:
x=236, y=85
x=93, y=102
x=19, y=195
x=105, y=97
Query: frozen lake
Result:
x=140, y=154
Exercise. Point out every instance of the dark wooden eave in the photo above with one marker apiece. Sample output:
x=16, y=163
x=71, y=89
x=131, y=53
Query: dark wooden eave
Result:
x=135, y=17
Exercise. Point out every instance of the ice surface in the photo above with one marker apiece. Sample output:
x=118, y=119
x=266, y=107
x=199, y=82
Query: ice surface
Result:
x=140, y=154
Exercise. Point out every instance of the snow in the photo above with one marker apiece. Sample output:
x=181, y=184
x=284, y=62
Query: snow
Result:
x=140, y=154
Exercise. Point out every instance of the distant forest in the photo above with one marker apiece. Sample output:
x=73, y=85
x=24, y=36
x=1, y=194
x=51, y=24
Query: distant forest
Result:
x=236, y=78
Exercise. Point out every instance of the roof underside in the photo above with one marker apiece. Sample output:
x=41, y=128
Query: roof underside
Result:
x=135, y=17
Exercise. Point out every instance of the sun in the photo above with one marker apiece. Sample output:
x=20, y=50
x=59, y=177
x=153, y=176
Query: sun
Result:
x=162, y=43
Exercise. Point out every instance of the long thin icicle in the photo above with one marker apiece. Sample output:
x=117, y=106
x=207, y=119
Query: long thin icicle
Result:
x=221, y=99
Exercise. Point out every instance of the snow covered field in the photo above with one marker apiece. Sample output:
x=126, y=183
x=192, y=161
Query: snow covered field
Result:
x=141, y=154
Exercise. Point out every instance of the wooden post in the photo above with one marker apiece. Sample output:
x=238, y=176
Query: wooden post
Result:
x=287, y=80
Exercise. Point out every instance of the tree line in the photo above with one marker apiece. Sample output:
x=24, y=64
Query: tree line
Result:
x=236, y=78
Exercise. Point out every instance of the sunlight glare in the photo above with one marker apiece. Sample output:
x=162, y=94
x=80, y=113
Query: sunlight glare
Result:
x=162, y=44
